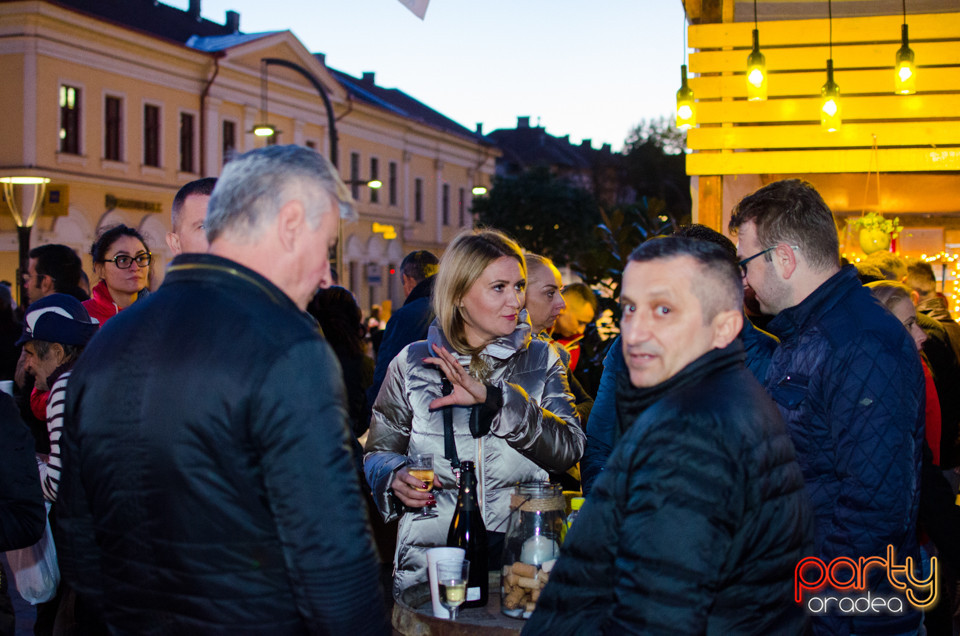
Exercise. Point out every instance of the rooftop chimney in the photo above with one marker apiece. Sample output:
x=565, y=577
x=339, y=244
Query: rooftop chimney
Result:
x=368, y=77
x=605, y=149
x=565, y=139
x=233, y=21
x=523, y=122
x=194, y=9
x=479, y=127
x=321, y=57
x=586, y=144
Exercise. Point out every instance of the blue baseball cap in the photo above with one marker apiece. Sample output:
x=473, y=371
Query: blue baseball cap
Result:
x=58, y=318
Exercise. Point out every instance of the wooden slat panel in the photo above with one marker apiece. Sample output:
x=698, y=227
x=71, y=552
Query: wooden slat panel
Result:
x=936, y=134
x=809, y=83
x=891, y=107
x=933, y=26
x=710, y=202
x=823, y=161
x=844, y=56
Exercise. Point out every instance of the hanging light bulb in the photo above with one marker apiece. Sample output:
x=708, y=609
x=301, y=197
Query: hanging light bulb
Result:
x=830, y=115
x=756, y=66
x=756, y=71
x=905, y=80
x=686, y=108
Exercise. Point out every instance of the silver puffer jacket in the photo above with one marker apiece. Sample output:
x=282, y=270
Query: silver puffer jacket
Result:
x=536, y=430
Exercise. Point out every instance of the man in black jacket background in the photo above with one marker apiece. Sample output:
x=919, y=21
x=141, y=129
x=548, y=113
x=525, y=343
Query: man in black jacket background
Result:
x=209, y=485
x=410, y=322
x=700, y=517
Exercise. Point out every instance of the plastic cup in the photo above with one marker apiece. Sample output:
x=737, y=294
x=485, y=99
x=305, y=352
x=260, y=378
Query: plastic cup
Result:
x=434, y=555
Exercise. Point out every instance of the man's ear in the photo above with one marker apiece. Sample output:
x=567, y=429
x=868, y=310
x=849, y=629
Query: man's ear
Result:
x=290, y=223
x=726, y=327
x=915, y=297
x=46, y=285
x=786, y=256
x=56, y=350
x=173, y=242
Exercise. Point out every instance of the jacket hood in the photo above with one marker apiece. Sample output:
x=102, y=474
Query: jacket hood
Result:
x=500, y=349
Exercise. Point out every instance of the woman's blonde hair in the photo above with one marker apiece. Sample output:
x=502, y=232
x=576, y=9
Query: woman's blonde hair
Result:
x=889, y=292
x=460, y=266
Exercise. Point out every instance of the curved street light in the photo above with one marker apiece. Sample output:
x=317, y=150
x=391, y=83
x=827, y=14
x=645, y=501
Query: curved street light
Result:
x=24, y=210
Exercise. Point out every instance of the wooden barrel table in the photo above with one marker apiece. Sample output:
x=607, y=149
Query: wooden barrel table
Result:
x=413, y=615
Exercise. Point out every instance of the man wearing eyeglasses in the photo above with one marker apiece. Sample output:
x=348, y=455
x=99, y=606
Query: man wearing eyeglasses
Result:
x=209, y=483
x=848, y=382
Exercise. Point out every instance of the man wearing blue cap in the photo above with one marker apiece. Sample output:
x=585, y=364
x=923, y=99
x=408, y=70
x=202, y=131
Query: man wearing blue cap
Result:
x=56, y=329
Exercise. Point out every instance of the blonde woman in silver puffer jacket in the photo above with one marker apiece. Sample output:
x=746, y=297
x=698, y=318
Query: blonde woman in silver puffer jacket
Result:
x=513, y=387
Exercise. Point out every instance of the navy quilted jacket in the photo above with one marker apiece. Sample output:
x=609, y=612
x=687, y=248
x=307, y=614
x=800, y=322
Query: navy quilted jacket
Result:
x=849, y=384
x=698, y=521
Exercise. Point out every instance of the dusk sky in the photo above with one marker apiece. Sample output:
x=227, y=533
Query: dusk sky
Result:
x=590, y=70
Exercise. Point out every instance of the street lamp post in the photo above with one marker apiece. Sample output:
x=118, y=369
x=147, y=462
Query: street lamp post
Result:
x=331, y=120
x=24, y=210
x=331, y=124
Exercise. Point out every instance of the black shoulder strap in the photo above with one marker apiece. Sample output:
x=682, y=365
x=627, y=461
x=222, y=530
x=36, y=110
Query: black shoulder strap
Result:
x=449, y=443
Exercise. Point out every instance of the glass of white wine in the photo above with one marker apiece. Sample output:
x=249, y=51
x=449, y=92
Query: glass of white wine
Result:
x=452, y=578
x=421, y=467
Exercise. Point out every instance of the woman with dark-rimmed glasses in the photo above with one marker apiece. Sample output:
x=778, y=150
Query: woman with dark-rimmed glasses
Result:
x=121, y=260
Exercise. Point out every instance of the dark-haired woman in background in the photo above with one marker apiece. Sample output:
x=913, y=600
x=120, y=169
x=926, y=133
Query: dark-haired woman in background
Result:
x=340, y=317
x=121, y=260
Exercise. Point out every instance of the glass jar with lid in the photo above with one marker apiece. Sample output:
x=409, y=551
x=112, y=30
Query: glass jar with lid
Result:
x=531, y=545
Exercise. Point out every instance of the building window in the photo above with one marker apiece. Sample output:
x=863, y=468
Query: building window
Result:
x=418, y=200
x=355, y=174
x=229, y=140
x=112, y=128
x=312, y=145
x=446, y=204
x=393, y=183
x=186, y=143
x=374, y=174
x=151, y=135
x=461, y=206
x=69, y=119
x=274, y=139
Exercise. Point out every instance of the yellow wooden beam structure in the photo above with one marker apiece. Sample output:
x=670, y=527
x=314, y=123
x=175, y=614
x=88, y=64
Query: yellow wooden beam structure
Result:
x=869, y=81
x=824, y=160
x=879, y=108
x=914, y=133
x=923, y=26
x=858, y=56
x=851, y=135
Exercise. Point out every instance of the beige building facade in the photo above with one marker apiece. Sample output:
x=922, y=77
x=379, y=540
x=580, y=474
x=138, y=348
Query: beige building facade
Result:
x=118, y=119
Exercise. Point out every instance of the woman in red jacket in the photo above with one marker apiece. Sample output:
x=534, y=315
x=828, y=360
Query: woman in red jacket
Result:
x=121, y=260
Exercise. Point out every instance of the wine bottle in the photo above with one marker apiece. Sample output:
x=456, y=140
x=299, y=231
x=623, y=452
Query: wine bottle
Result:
x=468, y=532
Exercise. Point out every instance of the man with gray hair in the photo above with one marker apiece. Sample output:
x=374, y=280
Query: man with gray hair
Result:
x=209, y=483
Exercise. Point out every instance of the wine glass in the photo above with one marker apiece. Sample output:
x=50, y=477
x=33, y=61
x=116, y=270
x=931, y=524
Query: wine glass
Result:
x=452, y=578
x=421, y=467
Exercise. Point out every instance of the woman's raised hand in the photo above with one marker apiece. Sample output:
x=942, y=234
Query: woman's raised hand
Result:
x=466, y=389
